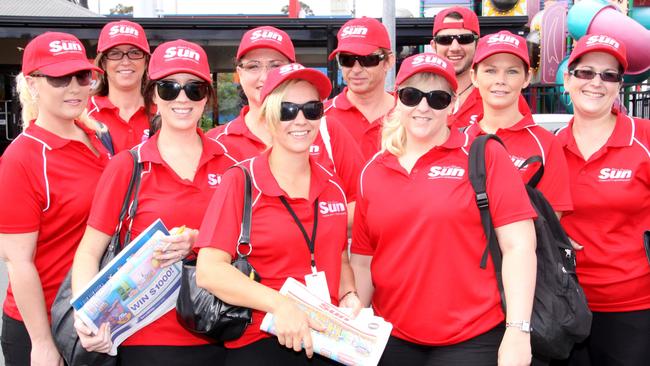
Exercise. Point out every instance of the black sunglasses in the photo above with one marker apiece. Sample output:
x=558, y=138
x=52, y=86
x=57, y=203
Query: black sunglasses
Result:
x=609, y=76
x=437, y=99
x=311, y=110
x=448, y=39
x=84, y=77
x=169, y=90
x=132, y=54
x=347, y=60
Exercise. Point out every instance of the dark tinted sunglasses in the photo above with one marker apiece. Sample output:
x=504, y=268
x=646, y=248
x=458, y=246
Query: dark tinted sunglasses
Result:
x=311, y=110
x=347, y=60
x=84, y=77
x=169, y=90
x=437, y=99
x=448, y=39
x=609, y=76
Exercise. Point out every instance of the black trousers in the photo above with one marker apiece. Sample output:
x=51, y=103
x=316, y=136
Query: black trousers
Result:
x=204, y=355
x=619, y=338
x=16, y=345
x=478, y=351
x=268, y=352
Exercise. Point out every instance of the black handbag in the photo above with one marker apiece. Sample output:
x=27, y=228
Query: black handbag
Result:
x=200, y=311
x=65, y=336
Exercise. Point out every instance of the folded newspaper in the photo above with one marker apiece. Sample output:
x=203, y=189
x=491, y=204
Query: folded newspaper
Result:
x=132, y=290
x=356, y=342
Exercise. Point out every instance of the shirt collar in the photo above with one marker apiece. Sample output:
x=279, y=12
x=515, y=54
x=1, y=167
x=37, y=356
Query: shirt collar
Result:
x=623, y=134
x=341, y=101
x=54, y=141
x=264, y=180
x=149, y=151
x=238, y=126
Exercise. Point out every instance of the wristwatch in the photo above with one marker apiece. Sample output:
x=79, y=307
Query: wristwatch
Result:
x=523, y=326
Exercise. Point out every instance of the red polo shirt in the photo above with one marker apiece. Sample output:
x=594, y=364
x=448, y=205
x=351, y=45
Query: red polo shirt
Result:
x=279, y=248
x=46, y=185
x=163, y=194
x=473, y=107
x=367, y=134
x=125, y=134
x=611, y=206
x=423, y=231
x=525, y=139
x=346, y=160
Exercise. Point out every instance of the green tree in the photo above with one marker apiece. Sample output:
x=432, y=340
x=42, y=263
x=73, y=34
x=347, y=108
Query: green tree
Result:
x=227, y=97
x=121, y=9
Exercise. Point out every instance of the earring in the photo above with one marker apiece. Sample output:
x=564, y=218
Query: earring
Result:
x=567, y=98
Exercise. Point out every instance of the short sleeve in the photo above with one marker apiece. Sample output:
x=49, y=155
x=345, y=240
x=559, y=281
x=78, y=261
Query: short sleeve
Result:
x=509, y=201
x=110, y=193
x=23, y=195
x=360, y=237
x=347, y=158
x=221, y=224
x=555, y=181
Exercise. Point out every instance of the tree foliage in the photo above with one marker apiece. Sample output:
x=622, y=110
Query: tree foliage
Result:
x=121, y=9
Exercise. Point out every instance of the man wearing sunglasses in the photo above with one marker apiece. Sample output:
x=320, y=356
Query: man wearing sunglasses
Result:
x=455, y=35
x=364, y=56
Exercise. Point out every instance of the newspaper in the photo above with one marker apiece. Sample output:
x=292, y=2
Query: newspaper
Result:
x=132, y=290
x=355, y=342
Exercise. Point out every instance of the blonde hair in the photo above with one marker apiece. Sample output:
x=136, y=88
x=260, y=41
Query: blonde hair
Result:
x=270, y=109
x=29, y=106
x=393, y=134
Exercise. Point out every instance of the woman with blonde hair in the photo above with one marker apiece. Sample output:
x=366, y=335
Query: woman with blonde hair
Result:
x=47, y=178
x=417, y=216
x=298, y=226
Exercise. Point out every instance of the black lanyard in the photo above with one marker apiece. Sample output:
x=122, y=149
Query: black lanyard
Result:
x=311, y=243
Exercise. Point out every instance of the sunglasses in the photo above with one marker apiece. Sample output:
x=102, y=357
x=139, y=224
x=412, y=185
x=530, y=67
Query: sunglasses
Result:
x=437, y=99
x=448, y=39
x=169, y=90
x=311, y=110
x=84, y=78
x=132, y=54
x=609, y=76
x=347, y=60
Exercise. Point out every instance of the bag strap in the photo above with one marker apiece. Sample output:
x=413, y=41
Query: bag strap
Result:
x=245, y=235
x=478, y=178
x=127, y=207
x=534, y=180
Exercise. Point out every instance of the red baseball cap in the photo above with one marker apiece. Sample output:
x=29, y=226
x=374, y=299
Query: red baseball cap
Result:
x=599, y=43
x=267, y=37
x=502, y=42
x=177, y=57
x=427, y=62
x=361, y=36
x=296, y=71
x=122, y=32
x=56, y=54
x=469, y=21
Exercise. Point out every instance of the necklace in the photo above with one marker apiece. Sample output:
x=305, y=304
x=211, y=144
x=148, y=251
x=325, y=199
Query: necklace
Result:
x=457, y=103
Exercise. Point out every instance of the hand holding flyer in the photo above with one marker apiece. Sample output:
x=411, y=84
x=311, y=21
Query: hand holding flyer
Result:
x=358, y=342
x=133, y=290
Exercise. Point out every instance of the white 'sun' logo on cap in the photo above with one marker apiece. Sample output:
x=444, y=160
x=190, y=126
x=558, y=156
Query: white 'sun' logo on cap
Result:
x=64, y=46
x=287, y=69
x=354, y=31
x=503, y=39
x=266, y=35
x=175, y=53
x=428, y=60
x=596, y=40
x=122, y=30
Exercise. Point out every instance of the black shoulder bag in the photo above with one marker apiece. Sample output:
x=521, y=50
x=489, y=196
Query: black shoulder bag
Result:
x=200, y=311
x=65, y=336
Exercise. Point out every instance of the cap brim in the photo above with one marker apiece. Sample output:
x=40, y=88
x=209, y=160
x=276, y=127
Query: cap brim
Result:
x=432, y=69
x=68, y=67
x=110, y=45
x=314, y=77
x=496, y=51
x=244, y=51
x=605, y=49
x=354, y=49
x=178, y=70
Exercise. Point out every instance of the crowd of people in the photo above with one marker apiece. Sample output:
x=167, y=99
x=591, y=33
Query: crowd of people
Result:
x=367, y=190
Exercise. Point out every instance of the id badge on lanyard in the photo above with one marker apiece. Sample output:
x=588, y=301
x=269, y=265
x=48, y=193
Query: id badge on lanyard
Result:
x=316, y=281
